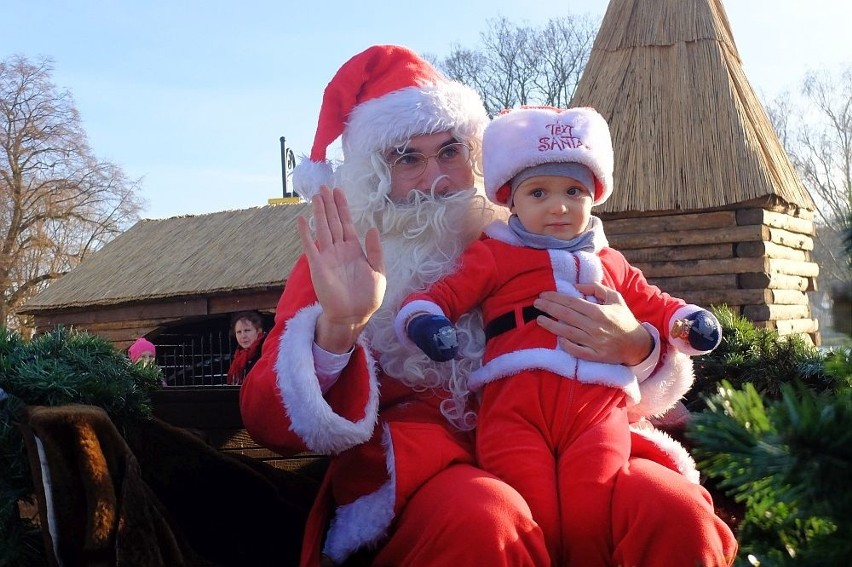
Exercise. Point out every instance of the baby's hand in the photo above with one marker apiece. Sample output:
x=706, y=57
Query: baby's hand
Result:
x=701, y=329
x=434, y=335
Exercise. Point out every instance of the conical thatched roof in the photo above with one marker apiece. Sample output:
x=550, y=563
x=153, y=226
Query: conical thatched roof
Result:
x=688, y=130
x=249, y=249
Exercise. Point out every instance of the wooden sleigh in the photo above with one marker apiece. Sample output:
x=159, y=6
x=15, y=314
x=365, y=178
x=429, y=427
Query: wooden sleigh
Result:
x=188, y=488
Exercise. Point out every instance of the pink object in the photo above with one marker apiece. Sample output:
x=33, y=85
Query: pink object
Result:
x=140, y=347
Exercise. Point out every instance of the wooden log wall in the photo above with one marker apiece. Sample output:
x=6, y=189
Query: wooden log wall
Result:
x=756, y=260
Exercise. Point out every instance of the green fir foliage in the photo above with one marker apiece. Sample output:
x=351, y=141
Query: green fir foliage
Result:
x=776, y=435
x=760, y=357
x=60, y=367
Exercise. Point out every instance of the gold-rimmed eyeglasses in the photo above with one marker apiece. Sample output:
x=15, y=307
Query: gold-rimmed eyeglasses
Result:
x=412, y=164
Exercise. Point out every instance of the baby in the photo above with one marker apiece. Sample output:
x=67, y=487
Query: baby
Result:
x=552, y=425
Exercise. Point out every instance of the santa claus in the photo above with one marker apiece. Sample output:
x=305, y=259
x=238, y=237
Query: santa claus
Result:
x=334, y=379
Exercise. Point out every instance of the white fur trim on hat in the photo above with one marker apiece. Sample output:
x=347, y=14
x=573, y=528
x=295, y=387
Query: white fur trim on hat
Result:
x=309, y=176
x=390, y=121
x=530, y=136
x=378, y=100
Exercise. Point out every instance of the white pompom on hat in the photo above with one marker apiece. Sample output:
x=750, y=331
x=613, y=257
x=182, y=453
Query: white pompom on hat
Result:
x=528, y=136
x=380, y=99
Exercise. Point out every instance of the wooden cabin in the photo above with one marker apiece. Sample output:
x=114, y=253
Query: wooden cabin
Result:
x=705, y=199
x=182, y=272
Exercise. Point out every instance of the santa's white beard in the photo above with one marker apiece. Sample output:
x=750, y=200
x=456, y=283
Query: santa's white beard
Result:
x=422, y=241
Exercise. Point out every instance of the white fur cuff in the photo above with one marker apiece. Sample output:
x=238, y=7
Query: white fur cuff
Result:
x=316, y=423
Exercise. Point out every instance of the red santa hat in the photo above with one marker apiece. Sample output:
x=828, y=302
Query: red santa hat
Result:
x=534, y=135
x=378, y=100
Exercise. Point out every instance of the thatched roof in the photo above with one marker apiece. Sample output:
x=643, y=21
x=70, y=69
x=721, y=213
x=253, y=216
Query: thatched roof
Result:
x=241, y=250
x=688, y=130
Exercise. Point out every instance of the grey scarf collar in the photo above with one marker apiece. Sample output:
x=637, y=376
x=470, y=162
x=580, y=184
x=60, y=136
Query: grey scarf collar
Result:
x=583, y=242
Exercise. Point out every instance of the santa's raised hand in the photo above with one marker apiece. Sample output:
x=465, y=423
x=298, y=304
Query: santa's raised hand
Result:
x=349, y=279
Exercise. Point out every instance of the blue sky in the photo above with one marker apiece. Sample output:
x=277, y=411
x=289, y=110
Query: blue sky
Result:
x=192, y=96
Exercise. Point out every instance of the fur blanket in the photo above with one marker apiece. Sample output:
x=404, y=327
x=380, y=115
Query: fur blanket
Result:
x=91, y=494
x=159, y=495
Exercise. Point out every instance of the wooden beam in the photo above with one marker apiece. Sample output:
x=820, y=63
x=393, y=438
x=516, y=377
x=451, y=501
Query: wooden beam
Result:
x=776, y=312
x=678, y=253
x=124, y=325
x=667, y=223
x=116, y=323
x=688, y=268
x=702, y=268
x=788, y=238
x=730, y=297
x=123, y=338
x=686, y=283
x=790, y=327
x=770, y=249
x=121, y=334
x=775, y=220
x=138, y=311
x=792, y=268
x=688, y=237
x=260, y=301
x=788, y=297
x=774, y=281
x=751, y=233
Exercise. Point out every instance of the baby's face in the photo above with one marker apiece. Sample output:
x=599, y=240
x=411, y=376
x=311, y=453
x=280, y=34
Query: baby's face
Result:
x=553, y=205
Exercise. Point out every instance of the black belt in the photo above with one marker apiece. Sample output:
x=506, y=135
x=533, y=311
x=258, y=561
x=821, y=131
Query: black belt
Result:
x=507, y=322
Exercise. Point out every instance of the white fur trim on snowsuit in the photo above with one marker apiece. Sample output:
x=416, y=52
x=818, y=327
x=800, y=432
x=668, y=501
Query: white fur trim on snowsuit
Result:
x=559, y=362
x=673, y=449
x=665, y=387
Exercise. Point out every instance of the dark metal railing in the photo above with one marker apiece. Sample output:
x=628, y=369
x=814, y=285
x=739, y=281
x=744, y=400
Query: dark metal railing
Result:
x=195, y=360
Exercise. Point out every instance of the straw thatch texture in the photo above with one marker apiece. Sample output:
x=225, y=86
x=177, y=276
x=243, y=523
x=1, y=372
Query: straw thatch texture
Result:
x=688, y=130
x=183, y=256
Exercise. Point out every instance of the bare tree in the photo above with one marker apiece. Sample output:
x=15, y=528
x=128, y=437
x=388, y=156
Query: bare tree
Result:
x=58, y=202
x=816, y=132
x=825, y=158
x=520, y=64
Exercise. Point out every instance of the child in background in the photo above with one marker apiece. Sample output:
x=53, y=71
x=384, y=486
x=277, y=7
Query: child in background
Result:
x=143, y=352
x=553, y=426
